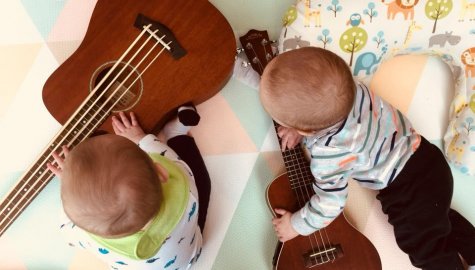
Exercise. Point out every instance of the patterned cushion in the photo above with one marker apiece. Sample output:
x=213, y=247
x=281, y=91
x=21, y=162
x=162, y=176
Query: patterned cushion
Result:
x=366, y=33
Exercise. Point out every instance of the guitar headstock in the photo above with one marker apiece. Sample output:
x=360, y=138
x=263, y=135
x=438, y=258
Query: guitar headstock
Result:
x=258, y=49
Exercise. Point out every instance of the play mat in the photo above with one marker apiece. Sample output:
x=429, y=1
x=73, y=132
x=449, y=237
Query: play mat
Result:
x=235, y=135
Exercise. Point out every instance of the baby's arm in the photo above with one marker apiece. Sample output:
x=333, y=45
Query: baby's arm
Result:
x=151, y=144
x=131, y=129
x=331, y=168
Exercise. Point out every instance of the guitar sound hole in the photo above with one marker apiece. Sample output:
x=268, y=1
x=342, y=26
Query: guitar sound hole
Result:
x=123, y=86
x=322, y=255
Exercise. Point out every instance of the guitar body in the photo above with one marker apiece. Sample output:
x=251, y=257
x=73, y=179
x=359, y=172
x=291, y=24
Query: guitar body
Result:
x=146, y=56
x=197, y=25
x=357, y=252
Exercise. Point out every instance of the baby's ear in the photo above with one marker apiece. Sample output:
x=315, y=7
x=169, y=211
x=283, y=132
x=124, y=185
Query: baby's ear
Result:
x=162, y=172
x=307, y=133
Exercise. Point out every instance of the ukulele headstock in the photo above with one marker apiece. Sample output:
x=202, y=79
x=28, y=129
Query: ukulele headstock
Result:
x=258, y=48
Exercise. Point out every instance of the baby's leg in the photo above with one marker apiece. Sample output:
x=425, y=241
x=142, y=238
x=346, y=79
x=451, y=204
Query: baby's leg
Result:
x=176, y=134
x=417, y=204
x=462, y=236
x=187, y=117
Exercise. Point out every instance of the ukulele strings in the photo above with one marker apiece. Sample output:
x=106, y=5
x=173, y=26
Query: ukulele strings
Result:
x=307, y=174
x=297, y=187
x=292, y=166
x=303, y=185
x=302, y=173
x=26, y=187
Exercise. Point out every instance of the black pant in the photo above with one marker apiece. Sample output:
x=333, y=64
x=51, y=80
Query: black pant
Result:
x=187, y=150
x=418, y=206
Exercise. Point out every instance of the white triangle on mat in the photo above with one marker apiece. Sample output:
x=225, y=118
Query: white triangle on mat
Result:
x=271, y=142
x=229, y=175
x=27, y=126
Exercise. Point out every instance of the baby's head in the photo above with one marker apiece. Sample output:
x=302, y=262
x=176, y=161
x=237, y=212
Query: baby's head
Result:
x=109, y=186
x=308, y=89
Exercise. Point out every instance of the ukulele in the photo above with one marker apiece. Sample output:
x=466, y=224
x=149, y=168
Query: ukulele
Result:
x=339, y=245
x=149, y=56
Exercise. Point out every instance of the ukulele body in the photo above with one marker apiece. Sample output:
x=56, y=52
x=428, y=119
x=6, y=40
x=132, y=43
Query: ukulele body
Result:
x=355, y=251
x=197, y=25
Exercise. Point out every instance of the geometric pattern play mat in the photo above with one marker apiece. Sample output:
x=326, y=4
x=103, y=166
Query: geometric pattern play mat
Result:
x=235, y=135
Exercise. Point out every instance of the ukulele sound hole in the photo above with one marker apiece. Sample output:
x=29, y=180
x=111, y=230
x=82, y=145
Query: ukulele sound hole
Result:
x=321, y=255
x=119, y=87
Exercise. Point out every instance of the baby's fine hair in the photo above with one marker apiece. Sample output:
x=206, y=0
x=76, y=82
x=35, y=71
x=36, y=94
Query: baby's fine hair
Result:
x=109, y=186
x=307, y=89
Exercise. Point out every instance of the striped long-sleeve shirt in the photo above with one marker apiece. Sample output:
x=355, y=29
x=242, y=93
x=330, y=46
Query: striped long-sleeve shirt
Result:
x=370, y=146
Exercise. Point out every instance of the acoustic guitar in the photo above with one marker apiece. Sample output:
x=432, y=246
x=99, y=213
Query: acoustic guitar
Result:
x=149, y=56
x=339, y=245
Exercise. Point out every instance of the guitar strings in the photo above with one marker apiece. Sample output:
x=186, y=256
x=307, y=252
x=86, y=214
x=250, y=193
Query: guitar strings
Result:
x=322, y=232
x=293, y=173
x=39, y=170
x=48, y=173
x=301, y=201
x=303, y=186
x=117, y=99
x=27, y=189
x=289, y=157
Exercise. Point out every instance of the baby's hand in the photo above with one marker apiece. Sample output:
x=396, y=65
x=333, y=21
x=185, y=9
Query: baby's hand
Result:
x=129, y=129
x=58, y=169
x=290, y=137
x=282, y=226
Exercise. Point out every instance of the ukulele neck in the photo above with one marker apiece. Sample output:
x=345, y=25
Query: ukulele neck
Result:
x=258, y=49
x=298, y=171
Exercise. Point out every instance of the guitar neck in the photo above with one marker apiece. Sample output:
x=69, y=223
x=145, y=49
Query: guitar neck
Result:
x=81, y=125
x=298, y=171
x=258, y=49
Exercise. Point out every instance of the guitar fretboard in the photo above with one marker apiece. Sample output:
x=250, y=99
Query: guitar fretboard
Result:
x=84, y=122
x=298, y=171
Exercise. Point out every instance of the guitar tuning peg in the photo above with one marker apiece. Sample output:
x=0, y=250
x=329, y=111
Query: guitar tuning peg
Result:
x=245, y=64
x=238, y=53
x=275, y=49
x=255, y=60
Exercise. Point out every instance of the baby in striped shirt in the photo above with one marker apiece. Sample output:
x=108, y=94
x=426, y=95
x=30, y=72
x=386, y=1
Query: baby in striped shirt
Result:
x=351, y=133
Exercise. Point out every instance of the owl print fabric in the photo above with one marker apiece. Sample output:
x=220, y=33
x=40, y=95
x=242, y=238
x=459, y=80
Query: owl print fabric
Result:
x=366, y=33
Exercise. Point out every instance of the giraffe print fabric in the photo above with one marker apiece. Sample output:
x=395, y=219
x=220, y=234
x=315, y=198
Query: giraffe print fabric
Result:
x=367, y=33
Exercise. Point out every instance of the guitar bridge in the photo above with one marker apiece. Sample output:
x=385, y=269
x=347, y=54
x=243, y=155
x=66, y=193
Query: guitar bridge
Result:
x=176, y=50
x=321, y=255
